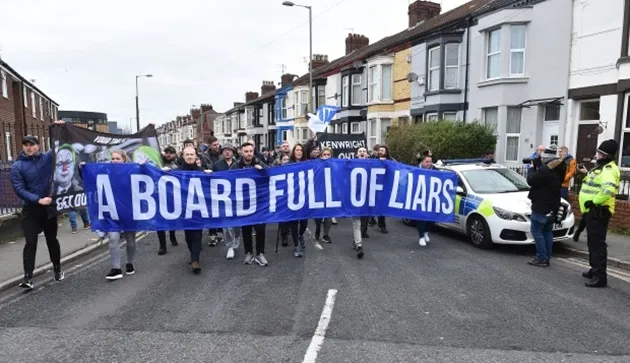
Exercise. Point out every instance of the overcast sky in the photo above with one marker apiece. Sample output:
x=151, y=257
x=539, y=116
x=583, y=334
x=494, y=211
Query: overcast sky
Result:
x=200, y=51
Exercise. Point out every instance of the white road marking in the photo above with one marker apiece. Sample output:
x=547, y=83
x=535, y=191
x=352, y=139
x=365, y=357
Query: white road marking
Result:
x=613, y=272
x=322, y=326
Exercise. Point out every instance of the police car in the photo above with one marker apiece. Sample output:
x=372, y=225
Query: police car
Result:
x=491, y=205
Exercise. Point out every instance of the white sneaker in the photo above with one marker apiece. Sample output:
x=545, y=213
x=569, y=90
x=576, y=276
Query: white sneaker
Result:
x=334, y=220
x=426, y=237
x=230, y=254
x=261, y=260
x=422, y=242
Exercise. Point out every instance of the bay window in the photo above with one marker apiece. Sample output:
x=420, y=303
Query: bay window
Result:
x=373, y=78
x=451, y=66
x=387, y=82
x=356, y=89
x=517, y=50
x=434, y=69
x=493, y=54
x=345, y=89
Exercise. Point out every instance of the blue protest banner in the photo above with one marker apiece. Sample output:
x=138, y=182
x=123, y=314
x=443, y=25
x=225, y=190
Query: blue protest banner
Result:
x=134, y=197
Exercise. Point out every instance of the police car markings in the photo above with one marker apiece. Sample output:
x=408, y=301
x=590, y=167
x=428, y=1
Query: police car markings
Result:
x=613, y=272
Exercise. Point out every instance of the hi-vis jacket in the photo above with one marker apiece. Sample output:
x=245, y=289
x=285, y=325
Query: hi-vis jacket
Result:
x=600, y=186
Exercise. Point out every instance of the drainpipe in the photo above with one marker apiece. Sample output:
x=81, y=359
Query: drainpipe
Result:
x=467, y=58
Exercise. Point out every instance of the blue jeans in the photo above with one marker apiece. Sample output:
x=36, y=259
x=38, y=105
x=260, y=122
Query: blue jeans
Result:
x=72, y=215
x=564, y=193
x=423, y=227
x=542, y=230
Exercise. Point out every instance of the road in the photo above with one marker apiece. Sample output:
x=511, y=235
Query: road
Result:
x=448, y=302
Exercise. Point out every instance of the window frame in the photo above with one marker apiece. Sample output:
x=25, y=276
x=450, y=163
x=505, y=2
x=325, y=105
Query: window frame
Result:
x=41, y=109
x=449, y=113
x=25, y=96
x=358, y=127
x=455, y=67
x=581, y=105
x=353, y=90
x=490, y=54
x=485, y=117
x=517, y=50
x=372, y=135
x=5, y=86
x=433, y=68
x=373, y=80
x=344, y=128
x=303, y=102
x=513, y=135
x=8, y=145
x=433, y=116
x=345, y=91
x=33, y=103
x=321, y=96
x=390, y=85
x=284, y=112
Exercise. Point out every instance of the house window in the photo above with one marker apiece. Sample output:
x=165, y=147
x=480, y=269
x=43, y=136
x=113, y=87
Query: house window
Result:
x=385, y=122
x=451, y=66
x=25, y=96
x=304, y=103
x=355, y=128
x=432, y=117
x=517, y=50
x=356, y=89
x=283, y=106
x=449, y=116
x=372, y=133
x=512, y=133
x=284, y=135
x=553, y=140
x=33, y=104
x=373, y=83
x=434, y=69
x=552, y=112
x=491, y=117
x=5, y=88
x=321, y=96
x=387, y=82
x=345, y=88
x=404, y=120
x=305, y=133
x=344, y=128
x=7, y=139
x=589, y=111
x=493, y=54
x=41, y=109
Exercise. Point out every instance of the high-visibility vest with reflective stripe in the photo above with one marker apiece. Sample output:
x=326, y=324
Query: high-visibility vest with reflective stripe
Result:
x=600, y=186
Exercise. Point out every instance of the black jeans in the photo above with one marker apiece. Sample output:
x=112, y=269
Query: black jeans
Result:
x=596, y=228
x=381, y=222
x=162, y=237
x=318, y=226
x=248, y=238
x=193, y=240
x=298, y=228
x=35, y=219
x=284, y=229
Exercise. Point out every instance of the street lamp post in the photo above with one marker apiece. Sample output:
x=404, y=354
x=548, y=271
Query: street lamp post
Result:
x=138, y=99
x=310, y=51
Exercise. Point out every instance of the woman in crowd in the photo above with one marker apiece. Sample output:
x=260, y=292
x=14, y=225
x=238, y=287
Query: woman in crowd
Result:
x=327, y=222
x=118, y=157
x=426, y=162
x=298, y=228
x=359, y=224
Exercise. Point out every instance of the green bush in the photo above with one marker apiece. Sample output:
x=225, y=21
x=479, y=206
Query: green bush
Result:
x=446, y=139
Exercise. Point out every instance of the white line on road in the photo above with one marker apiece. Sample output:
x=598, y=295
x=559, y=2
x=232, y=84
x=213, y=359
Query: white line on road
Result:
x=320, y=331
x=611, y=271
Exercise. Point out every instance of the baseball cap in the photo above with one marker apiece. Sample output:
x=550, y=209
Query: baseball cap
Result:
x=30, y=140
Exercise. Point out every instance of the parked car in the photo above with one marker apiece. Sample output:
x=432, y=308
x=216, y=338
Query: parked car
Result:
x=491, y=206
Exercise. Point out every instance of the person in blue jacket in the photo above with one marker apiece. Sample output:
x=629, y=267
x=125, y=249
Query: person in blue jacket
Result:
x=31, y=178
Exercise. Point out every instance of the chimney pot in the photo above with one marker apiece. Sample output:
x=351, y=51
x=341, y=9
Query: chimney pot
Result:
x=287, y=79
x=422, y=10
x=267, y=86
x=250, y=96
x=356, y=42
x=319, y=60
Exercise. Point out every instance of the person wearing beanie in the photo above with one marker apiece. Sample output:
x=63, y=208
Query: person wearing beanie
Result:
x=597, y=204
x=545, y=181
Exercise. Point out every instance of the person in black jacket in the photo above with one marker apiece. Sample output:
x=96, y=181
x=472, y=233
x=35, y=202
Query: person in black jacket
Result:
x=545, y=181
x=248, y=160
x=425, y=161
x=298, y=227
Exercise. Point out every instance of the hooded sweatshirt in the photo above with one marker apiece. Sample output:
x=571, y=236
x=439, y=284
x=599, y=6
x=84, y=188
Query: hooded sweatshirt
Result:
x=571, y=169
x=546, y=184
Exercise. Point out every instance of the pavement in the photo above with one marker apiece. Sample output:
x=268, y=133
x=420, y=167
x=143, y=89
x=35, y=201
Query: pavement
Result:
x=618, y=249
x=448, y=302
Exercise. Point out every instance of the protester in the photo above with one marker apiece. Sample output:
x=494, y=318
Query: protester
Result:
x=424, y=227
x=383, y=154
x=298, y=228
x=359, y=224
x=534, y=159
x=193, y=237
x=212, y=156
x=282, y=158
x=267, y=156
x=231, y=235
x=250, y=161
x=31, y=177
x=315, y=153
x=597, y=204
x=571, y=169
x=327, y=222
x=311, y=144
x=545, y=181
x=72, y=216
x=284, y=150
x=169, y=162
x=257, y=154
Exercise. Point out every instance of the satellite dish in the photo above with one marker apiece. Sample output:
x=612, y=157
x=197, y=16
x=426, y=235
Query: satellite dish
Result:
x=411, y=77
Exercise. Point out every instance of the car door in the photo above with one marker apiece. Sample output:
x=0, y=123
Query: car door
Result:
x=459, y=220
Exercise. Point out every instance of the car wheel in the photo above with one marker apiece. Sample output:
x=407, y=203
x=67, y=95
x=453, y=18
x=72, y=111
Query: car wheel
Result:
x=479, y=232
x=408, y=222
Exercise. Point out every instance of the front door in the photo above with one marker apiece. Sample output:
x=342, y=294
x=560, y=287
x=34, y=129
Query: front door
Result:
x=586, y=144
x=550, y=133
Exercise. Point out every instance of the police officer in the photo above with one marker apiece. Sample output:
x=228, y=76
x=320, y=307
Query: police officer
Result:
x=597, y=204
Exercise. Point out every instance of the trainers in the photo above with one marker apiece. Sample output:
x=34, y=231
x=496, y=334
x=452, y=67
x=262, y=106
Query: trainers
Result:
x=162, y=251
x=334, y=221
x=87, y=226
x=326, y=239
x=196, y=268
x=538, y=263
x=249, y=258
x=426, y=237
x=59, y=274
x=114, y=274
x=261, y=260
x=130, y=269
x=298, y=252
x=213, y=241
x=230, y=254
x=74, y=230
x=27, y=283
x=360, y=252
x=422, y=242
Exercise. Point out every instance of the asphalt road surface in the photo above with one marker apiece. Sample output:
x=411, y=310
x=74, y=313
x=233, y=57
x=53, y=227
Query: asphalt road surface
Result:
x=448, y=302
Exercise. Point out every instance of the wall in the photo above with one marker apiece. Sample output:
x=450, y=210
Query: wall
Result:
x=419, y=67
x=401, y=89
x=620, y=220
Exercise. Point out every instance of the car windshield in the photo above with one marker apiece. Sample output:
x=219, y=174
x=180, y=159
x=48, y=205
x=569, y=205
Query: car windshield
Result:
x=487, y=181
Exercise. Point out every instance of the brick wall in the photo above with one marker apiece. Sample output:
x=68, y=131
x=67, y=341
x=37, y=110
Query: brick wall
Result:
x=381, y=108
x=621, y=218
x=401, y=91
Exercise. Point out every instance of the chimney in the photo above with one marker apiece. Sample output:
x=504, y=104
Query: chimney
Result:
x=195, y=113
x=319, y=60
x=420, y=11
x=267, y=87
x=250, y=96
x=205, y=107
x=356, y=42
x=287, y=79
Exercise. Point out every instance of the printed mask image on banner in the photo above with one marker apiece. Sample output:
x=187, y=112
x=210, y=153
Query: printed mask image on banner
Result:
x=74, y=145
x=344, y=146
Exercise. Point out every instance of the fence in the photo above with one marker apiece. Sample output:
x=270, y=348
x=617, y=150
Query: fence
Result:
x=9, y=202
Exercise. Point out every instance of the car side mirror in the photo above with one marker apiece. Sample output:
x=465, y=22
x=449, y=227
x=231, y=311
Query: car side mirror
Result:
x=460, y=191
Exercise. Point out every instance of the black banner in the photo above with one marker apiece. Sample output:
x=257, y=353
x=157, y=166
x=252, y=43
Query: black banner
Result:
x=74, y=145
x=344, y=146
